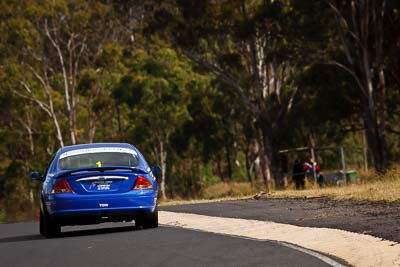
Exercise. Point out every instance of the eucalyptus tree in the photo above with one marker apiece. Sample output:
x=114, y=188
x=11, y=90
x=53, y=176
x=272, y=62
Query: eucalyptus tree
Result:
x=245, y=45
x=53, y=44
x=157, y=89
x=363, y=29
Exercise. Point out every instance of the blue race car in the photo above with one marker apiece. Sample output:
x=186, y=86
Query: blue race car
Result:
x=95, y=183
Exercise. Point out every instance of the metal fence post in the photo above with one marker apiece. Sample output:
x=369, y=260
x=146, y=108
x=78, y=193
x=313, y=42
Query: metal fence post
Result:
x=343, y=163
x=313, y=166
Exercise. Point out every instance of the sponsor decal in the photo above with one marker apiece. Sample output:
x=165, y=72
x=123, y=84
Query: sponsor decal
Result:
x=101, y=185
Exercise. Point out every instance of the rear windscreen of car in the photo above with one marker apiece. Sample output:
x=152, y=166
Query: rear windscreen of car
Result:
x=100, y=159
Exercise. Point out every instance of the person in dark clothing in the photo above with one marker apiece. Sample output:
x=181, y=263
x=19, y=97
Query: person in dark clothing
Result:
x=298, y=175
x=320, y=180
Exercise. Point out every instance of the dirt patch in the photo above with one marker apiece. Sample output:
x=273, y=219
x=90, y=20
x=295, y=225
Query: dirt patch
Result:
x=379, y=219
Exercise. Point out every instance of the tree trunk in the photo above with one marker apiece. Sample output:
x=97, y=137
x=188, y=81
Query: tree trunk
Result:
x=228, y=161
x=58, y=131
x=248, y=165
x=364, y=54
x=119, y=121
x=69, y=104
x=27, y=124
x=272, y=160
x=265, y=166
x=219, y=169
x=163, y=160
x=376, y=141
x=92, y=130
x=92, y=124
x=47, y=107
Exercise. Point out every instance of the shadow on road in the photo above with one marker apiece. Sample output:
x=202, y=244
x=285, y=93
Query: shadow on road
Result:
x=75, y=233
x=98, y=231
x=20, y=238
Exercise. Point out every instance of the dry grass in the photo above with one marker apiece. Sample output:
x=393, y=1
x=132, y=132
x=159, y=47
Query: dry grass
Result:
x=173, y=202
x=221, y=190
x=370, y=187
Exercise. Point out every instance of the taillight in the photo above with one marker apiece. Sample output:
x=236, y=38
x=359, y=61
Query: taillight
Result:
x=142, y=184
x=62, y=187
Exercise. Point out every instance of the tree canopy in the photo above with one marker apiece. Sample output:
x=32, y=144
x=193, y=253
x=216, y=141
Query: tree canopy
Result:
x=208, y=90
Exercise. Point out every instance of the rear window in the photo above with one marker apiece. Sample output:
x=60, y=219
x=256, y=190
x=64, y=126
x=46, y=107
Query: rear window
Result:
x=98, y=159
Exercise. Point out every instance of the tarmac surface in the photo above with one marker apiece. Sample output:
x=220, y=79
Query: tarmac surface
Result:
x=121, y=244
x=379, y=219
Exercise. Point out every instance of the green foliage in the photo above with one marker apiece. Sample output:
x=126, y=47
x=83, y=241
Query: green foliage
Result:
x=156, y=91
x=179, y=77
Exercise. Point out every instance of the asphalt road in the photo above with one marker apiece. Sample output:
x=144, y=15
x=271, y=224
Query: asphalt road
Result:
x=121, y=244
x=380, y=219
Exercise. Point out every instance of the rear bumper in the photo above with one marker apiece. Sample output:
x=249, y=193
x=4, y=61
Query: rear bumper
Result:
x=95, y=217
x=70, y=209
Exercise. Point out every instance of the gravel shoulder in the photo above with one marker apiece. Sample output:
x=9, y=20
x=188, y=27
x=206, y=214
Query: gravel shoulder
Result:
x=379, y=219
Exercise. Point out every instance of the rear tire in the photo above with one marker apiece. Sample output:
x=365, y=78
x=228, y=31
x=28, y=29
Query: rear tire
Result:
x=48, y=227
x=148, y=220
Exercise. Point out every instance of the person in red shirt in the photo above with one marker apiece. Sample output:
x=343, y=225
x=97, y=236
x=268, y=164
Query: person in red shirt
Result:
x=313, y=169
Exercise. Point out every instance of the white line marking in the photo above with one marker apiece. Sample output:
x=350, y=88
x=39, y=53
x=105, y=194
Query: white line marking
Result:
x=323, y=258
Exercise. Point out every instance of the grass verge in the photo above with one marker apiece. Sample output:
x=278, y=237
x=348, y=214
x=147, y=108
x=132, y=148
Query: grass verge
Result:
x=371, y=187
x=2, y=215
